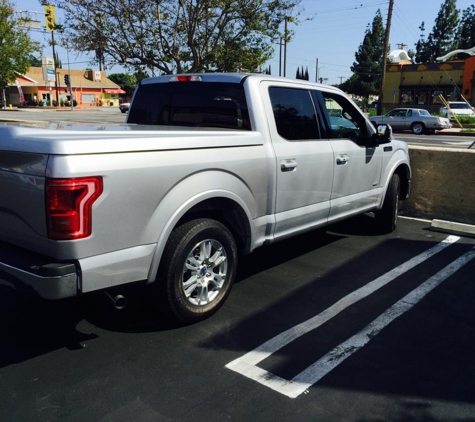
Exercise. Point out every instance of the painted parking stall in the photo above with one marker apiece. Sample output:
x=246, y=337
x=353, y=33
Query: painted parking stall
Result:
x=247, y=365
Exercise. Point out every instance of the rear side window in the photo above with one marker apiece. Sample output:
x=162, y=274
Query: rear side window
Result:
x=191, y=104
x=294, y=113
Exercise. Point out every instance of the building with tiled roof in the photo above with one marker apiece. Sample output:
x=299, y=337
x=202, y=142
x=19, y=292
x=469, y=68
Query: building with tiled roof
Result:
x=88, y=87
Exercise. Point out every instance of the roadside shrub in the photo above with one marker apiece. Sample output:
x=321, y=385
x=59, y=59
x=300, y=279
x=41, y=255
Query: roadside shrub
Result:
x=55, y=103
x=466, y=120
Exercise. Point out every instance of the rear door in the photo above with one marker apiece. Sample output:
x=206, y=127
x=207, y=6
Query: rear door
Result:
x=304, y=161
x=357, y=166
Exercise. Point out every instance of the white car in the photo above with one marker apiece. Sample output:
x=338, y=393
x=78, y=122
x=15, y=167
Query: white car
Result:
x=459, y=109
x=124, y=107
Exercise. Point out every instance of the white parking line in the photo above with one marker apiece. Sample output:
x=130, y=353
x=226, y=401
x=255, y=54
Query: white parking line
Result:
x=247, y=364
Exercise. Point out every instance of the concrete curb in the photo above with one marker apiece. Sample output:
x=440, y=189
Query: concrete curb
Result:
x=466, y=230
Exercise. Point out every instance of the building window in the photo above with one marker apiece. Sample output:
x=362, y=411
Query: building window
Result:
x=435, y=100
x=407, y=97
x=421, y=97
x=453, y=96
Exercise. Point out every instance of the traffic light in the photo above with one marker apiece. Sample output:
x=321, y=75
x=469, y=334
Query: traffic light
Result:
x=50, y=18
x=66, y=80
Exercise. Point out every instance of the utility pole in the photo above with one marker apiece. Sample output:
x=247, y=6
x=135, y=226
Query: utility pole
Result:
x=341, y=79
x=280, y=56
x=51, y=26
x=385, y=57
x=316, y=72
x=285, y=45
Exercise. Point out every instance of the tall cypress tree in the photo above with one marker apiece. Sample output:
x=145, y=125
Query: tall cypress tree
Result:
x=368, y=59
x=466, y=33
x=443, y=37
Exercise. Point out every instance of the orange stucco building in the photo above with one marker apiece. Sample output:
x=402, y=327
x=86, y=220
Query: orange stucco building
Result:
x=89, y=88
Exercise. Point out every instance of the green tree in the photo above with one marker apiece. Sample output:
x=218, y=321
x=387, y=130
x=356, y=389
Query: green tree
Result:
x=422, y=54
x=34, y=61
x=59, y=64
x=443, y=37
x=179, y=36
x=466, y=32
x=125, y=81
x=15, y=45
x=367, y=67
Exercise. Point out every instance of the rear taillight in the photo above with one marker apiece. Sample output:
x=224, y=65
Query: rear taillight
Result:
x=186, y=78
x=69, y=206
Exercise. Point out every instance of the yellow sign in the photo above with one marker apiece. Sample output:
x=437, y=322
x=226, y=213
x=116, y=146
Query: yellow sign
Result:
x=50, y=18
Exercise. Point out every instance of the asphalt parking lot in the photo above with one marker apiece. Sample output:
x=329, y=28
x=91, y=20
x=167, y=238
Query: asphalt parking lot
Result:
x=334, y=325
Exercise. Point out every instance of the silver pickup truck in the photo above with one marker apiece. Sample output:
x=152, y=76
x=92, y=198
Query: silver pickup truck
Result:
x=207, y=167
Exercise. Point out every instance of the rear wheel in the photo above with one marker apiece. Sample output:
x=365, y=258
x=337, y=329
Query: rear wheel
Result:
x=418, y=128
x=198, y=269
x=386, y=217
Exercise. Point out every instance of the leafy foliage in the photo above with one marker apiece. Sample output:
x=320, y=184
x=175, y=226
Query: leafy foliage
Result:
x=179, y=36
x=34, y=61
x=126, y=82
x=367, y=67
x=466, y=33
x=443, y=37
x=301, y=74
x=15, y=45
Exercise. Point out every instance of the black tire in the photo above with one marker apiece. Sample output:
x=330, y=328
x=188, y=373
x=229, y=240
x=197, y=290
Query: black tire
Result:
x=190, y=277
x=430, y=131
x=418, y=128
x=386, y=217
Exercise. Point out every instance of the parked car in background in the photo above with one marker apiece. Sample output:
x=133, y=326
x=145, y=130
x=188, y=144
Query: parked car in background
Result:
x=457, y=108
x=124, y=107
x=418, y=120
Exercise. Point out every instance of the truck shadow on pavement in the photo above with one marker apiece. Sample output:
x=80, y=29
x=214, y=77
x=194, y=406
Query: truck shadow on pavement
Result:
x=32, y=326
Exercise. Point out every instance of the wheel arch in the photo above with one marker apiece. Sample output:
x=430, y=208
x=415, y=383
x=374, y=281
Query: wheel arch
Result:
x=234, y=207
x=402, y=169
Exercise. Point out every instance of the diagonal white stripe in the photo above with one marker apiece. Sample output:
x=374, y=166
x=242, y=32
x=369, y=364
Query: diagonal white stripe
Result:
x=246, y=364
x=332, y=359
x=266, y=349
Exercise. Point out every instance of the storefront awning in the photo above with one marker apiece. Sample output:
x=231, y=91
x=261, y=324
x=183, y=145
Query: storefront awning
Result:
x=114, y=91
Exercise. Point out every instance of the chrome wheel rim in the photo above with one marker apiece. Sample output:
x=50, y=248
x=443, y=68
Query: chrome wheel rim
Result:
x=204, y=272
x=418, y=128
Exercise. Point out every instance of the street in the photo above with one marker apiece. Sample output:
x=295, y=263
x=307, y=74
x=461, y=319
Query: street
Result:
x=334, y=325
x=112, y=116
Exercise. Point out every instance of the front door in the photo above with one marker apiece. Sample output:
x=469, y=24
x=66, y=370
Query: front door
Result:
x=357, y=167
x=304, y=162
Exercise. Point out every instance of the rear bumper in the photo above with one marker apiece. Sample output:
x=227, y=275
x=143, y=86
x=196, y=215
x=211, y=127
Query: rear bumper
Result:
x=37, y=274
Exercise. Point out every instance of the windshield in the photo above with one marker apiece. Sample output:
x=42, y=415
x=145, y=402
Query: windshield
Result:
x=191, y=104
x=459, y=105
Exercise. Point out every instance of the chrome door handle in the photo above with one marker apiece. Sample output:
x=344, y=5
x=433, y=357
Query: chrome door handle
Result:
x=288, y=165
x=342, y=159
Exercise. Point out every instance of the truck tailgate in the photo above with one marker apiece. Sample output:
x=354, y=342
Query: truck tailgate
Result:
x=22, y=205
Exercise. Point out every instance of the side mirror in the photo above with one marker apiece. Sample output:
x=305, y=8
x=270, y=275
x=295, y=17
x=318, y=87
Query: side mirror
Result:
x=384, y=134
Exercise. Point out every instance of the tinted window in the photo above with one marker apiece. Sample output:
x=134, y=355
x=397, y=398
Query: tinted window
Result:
x=294, y=113
x=192, y=104
x=345, y=120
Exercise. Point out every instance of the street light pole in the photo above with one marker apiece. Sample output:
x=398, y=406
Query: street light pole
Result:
x=285, y=45
x=54, y=64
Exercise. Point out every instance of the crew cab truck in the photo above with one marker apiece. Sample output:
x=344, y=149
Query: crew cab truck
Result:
x=207, y=166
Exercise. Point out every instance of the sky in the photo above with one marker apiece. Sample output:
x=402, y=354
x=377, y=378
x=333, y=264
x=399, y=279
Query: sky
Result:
x=330, y=32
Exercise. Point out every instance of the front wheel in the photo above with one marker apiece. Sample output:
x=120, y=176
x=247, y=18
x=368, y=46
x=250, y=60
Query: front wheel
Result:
x=418, y=128
x=198, y=269
x=386, y=217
